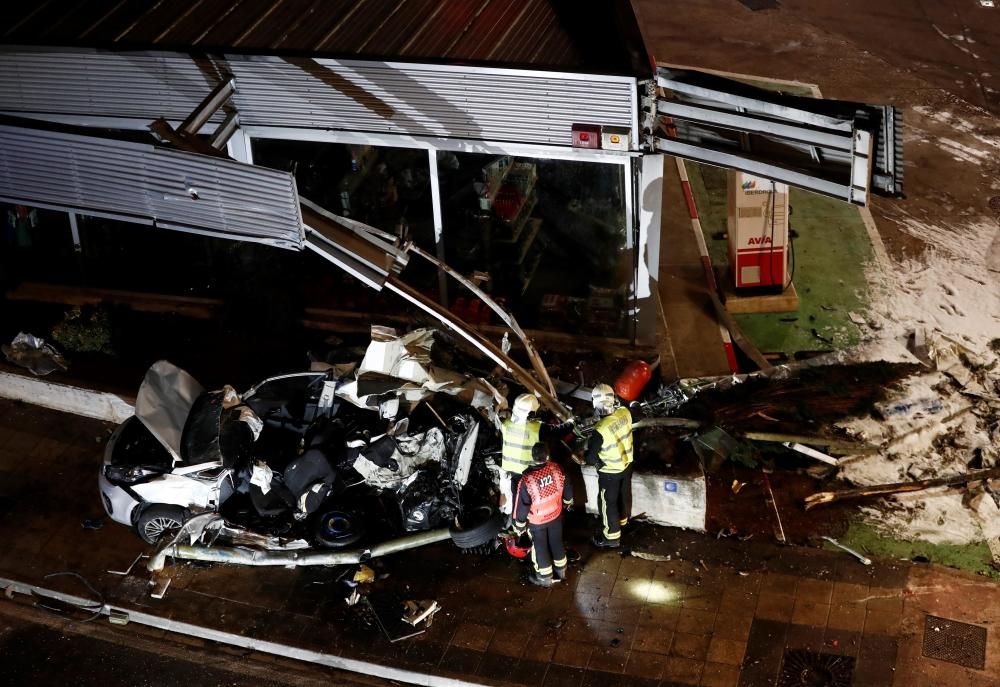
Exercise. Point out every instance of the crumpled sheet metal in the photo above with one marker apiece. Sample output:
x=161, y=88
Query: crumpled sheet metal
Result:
x=164, y=402
x=402, y=365
x=33, y=353
x=412, y=452
x=207, y=529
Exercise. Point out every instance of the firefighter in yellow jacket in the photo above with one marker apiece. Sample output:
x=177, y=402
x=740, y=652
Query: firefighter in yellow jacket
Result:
x=520, y=433
x=541, y=495
x=610, y=451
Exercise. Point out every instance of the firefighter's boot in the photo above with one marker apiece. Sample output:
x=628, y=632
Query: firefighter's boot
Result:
x=540, y=580
x=600, y=542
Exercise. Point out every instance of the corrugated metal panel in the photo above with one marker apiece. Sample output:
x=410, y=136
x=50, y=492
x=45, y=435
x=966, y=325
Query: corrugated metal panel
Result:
x=89, y=82
x=420, y=100
x=140, y=182
x=455, y=102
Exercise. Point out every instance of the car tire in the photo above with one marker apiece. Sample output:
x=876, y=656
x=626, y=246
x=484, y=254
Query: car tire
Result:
x=477, y=527
x=336, y=529
x=159, y=520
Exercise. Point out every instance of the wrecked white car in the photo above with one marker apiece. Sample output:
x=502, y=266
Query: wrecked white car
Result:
x=323, y=459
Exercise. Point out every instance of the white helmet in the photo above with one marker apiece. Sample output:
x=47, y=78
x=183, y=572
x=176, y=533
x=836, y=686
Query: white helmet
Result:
x=603, y=398
x=524, y=405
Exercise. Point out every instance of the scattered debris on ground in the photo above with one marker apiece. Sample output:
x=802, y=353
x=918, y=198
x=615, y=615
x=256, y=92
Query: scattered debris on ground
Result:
x=33, y=353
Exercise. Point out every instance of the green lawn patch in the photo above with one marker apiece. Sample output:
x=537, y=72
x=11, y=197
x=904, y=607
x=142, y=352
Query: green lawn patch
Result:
x=973, y=558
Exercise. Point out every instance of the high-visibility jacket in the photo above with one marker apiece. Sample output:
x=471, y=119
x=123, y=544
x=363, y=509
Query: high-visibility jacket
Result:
x=616, y=435
x=518, y=438
x=545, y=487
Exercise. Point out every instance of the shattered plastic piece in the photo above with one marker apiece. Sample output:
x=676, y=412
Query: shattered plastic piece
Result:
x=812, y=453
x=864, y=559
x=714, y=445
x=931, y=405
x=418, y=611
x=230, y=399
x=650, y=556
x=251, y=420
x=364, y=575
x=31, y=352
x=261, y=476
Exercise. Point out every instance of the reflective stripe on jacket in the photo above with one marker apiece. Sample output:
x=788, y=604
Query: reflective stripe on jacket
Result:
x=518, y=438
x=545, y=486
x=616, y=434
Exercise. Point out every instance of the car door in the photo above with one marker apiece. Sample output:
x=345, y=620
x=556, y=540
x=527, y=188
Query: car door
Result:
x=292, y=401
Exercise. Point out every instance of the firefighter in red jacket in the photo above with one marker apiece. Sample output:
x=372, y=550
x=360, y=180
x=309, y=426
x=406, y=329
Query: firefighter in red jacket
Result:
x=542, y=494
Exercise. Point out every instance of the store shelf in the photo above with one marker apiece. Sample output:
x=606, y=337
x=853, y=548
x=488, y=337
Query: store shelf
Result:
x=536, y=225
x=518, y=223
x=496, y=173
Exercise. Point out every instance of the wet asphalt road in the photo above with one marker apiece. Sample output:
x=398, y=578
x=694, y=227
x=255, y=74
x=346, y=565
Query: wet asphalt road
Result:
x=38, y=655
x=41, y=654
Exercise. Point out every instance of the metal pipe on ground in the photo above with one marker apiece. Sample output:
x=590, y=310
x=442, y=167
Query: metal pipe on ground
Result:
x=296, y=558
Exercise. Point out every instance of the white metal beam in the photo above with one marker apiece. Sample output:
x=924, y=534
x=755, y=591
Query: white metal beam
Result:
x=438, y=226
x=440, y=143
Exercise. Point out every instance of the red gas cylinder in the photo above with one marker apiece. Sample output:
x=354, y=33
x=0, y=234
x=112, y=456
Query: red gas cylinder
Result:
x=633, y=380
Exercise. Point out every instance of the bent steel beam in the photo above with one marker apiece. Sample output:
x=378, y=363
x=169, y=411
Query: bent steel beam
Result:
x=486, y=347
x=506, y=317
x=841, y=149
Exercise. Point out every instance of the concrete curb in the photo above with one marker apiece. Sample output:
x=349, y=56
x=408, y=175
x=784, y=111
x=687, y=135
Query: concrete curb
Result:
x=99, y=405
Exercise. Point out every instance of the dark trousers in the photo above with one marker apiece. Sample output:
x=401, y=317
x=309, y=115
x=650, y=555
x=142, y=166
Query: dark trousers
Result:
x=547, y=550
x=614, y=497
x=515, y=479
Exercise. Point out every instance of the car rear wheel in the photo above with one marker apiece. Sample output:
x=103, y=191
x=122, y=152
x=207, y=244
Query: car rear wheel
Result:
x=159, y=521
x=336, y=529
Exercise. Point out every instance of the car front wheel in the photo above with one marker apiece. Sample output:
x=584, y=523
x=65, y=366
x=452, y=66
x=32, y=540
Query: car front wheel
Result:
x=159, y=521
x=477, y=527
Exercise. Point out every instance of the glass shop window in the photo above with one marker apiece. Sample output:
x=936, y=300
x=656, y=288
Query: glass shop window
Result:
x=547, y=237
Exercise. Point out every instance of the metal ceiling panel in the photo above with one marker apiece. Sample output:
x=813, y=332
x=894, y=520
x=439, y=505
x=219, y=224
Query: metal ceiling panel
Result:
x=424, y=100
x=474, y=103
x=137, y=182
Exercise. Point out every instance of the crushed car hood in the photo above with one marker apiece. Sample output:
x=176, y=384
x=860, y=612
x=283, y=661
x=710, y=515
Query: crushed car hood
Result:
x=164, y=402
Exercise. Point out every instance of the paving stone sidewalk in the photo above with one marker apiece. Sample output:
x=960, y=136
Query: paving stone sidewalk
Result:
x=618, y=620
